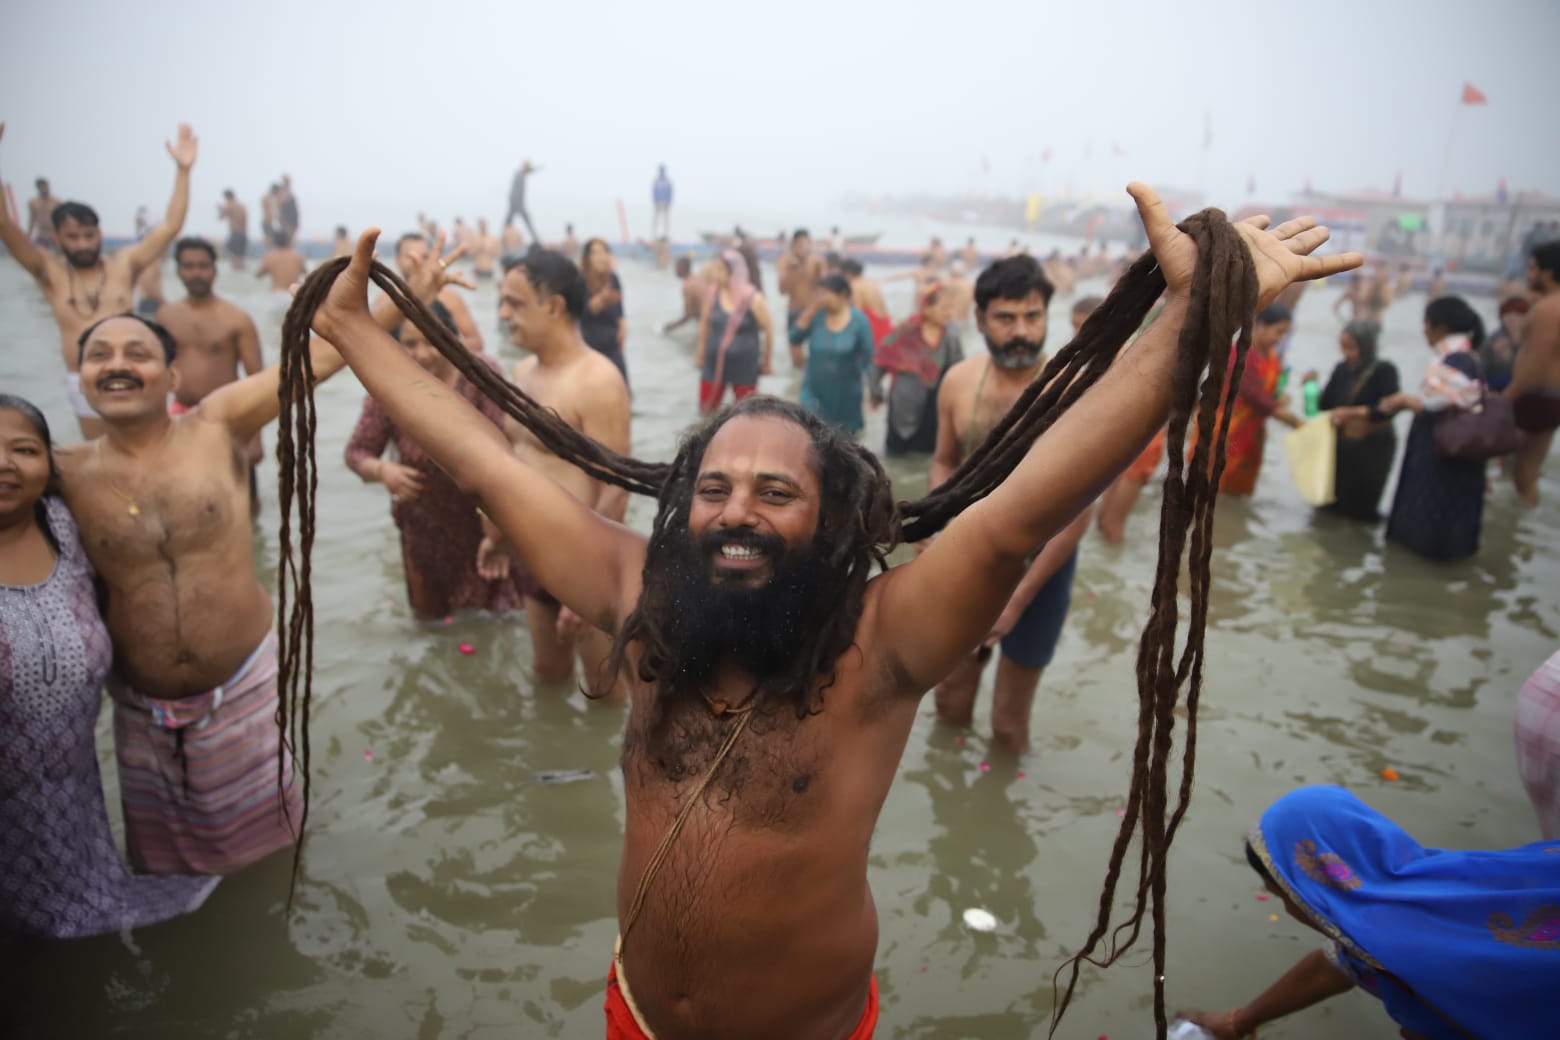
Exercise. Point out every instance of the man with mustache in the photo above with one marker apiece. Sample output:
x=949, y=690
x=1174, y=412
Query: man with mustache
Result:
x=162, y=505
x=213, y=337
x=80, y=285
x=1011, y=297
x=774, y=677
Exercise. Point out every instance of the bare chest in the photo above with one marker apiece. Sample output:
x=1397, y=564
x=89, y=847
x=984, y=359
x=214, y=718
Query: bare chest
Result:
x=131, y=518
x=775, y=775
x=209, y=341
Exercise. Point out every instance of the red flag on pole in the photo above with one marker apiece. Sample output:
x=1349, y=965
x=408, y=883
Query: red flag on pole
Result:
x=1472, y=95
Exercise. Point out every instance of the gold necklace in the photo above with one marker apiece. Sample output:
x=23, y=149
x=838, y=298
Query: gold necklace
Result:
x=133, y=510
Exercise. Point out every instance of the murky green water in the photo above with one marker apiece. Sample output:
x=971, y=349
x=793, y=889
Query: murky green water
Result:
x=449, y=893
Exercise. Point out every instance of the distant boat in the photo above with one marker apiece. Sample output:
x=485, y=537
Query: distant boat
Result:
x=720, y=238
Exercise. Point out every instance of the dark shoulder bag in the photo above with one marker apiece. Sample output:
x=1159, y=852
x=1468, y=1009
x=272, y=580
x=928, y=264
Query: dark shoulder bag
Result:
x=1485, y=431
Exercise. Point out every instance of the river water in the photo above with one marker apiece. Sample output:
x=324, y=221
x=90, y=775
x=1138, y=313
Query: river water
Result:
x=450, y=892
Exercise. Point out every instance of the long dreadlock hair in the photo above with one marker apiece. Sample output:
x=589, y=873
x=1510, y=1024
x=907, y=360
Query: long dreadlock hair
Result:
x=1222, y=301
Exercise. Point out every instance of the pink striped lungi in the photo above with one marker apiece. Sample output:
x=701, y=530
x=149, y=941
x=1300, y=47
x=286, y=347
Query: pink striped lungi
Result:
x=197, y=775
x=1538, y=743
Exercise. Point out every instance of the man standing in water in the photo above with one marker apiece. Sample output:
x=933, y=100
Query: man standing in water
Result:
x=283, y=263
x=485, y=251
x=237, y=217
x=517, y=199
x=212, y=338
x=1011, y=297
x=1535, y=378
x=541, y=300
x=40, y=208
x=161, y=502
x=743, y=901
x=661, y=198
x=81, y=286
x=287, y=209
x=799, y=270
x=411, y=253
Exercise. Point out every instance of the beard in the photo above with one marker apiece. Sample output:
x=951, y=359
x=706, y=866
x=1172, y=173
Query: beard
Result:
x=1015, y=354
x=84, y=259
x=197, y=288
x=765, y=628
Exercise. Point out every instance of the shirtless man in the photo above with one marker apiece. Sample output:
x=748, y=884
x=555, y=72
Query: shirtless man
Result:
x=40, y=208
x=463, y=236
x=570, y=246
x=937, y=255
x=237, y=217
x=283, y=263
x=484, y=251
x=287, y=208
x=694, y=288
x=80, y=285
x=270, y=204
x=758, y=921
x=411, y=252
x=1535, y=379
x=799, y=269
x=1011, y=297
x=970, y=255
x=342, y=244
x=541, y=300
x=161, y=501
x=961, y=294
x=213, y=338
x=866, y=295
x=513, y=241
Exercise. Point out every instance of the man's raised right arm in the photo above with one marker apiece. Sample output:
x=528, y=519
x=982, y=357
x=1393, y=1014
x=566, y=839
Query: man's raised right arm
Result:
x=17, y=243
x=590, y=564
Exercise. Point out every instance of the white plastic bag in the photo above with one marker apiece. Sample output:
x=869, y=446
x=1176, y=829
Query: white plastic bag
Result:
x=1313, y=458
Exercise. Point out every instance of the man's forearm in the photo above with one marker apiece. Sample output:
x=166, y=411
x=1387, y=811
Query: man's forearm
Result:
x=1048, y=562
x=1095, y=439
x=179, y=201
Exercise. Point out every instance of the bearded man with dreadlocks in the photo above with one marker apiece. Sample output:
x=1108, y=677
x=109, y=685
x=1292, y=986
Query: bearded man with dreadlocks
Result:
x=774, y=679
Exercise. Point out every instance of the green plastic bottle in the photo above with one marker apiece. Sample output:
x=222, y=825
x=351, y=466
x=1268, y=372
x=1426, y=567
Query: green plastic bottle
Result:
x=1283, y=381
x=1311, y=392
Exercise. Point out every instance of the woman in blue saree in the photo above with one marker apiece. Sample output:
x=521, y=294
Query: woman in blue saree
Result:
x=1454, y=944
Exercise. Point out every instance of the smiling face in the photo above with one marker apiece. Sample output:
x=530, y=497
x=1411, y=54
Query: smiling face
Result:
x=124, y=371
x=24, y=464
x=756, y=499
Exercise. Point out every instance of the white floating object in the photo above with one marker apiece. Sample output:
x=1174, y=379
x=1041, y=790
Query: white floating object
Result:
x=980, y=920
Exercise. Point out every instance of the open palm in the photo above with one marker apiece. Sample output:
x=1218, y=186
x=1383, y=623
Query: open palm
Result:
x=184, y=147
x=1281, y=255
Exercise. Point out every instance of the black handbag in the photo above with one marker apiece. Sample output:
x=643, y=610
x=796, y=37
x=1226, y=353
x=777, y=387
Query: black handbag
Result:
x=1485, y=431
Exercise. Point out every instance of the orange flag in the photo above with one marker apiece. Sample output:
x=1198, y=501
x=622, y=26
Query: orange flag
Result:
x=1472, y=95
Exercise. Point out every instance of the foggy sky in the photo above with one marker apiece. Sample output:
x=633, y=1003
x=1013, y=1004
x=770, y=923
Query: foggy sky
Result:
x=379, y=110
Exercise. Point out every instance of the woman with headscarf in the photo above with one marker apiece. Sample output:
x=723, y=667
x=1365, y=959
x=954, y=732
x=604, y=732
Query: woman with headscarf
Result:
x=736, y=321
x=1366, y=441
x=1454, y=944
x=61, y=875
x=1438, y=508
x=915, y=357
